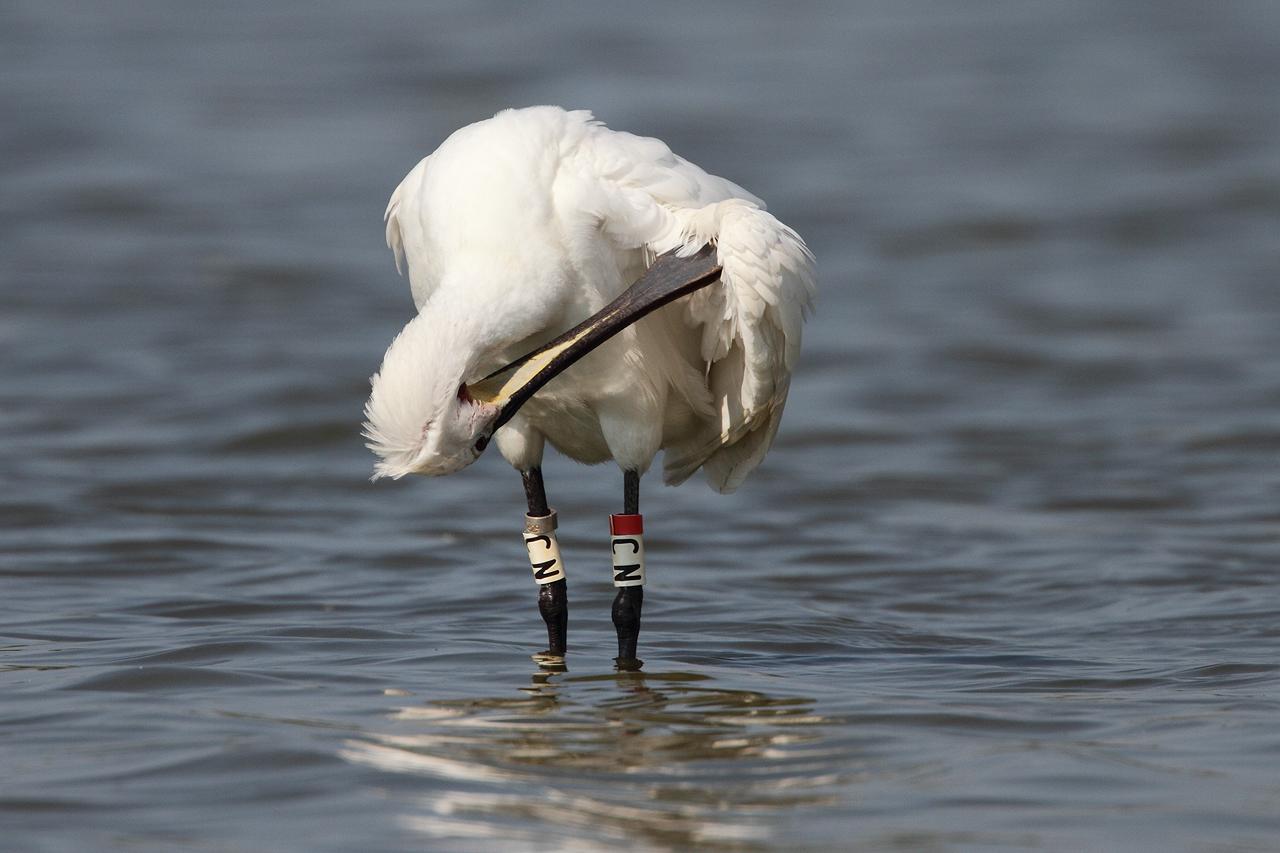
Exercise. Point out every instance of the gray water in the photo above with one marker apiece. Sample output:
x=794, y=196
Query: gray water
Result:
x=1007, y=581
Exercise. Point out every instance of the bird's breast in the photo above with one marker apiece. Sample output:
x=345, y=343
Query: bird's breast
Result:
x=617, y=376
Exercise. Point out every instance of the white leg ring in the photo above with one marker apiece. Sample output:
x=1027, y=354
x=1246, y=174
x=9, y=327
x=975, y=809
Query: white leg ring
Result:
x=544, y=550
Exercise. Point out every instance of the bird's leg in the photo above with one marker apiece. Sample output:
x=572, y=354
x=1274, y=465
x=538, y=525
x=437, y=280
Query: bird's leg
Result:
x=544, y=558
x=627, y=542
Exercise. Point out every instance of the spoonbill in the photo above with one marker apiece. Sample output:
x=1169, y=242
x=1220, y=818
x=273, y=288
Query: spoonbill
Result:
x=588, y=288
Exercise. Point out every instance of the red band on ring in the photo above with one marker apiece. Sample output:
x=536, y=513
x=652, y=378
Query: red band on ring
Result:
x=626, y=525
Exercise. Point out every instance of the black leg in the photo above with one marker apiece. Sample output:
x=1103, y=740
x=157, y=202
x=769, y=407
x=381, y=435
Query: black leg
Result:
x=626, y=620
x=535, y=493
x=628, y=560
x=631, y=493
x=553, y=597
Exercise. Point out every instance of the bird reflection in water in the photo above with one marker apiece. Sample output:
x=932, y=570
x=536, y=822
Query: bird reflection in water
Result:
x=664, y=759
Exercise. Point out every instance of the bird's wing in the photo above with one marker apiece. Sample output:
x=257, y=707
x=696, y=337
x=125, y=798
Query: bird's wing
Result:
x=750, y=326
x=403, y=209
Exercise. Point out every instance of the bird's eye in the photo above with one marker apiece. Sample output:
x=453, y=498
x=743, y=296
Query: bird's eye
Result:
x=481, y=443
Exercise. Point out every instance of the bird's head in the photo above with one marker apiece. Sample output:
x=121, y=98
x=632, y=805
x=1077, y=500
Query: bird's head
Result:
x=421, y=417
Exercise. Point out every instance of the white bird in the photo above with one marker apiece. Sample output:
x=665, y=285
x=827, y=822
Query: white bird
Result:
x=521, y=226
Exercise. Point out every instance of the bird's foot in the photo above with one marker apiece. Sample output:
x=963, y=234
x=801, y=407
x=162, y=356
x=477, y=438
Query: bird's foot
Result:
x=550, y=661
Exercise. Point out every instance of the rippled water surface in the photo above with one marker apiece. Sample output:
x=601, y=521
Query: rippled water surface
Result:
x=1007, y=581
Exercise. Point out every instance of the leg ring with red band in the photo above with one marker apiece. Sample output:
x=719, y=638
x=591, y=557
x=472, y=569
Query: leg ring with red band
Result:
x=627, y=543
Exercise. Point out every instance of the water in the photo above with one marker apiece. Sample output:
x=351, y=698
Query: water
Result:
x=1007, y=581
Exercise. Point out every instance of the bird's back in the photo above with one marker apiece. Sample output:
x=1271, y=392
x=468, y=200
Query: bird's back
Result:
x=486, y=191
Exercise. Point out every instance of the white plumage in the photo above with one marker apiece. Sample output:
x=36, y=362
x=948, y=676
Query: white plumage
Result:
x=518, y=227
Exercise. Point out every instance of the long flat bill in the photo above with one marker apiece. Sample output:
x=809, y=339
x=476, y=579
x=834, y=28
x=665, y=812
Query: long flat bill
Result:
x=669, y=278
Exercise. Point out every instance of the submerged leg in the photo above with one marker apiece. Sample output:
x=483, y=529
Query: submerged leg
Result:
x=544, y=558
x=627, y=542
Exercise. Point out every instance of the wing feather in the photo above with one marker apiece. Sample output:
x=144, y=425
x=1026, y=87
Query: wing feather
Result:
x=395, y=238
x=749, y=329
x=751, y=337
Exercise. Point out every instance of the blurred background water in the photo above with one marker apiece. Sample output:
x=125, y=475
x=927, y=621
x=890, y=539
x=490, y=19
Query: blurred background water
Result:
x=1008, y=579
